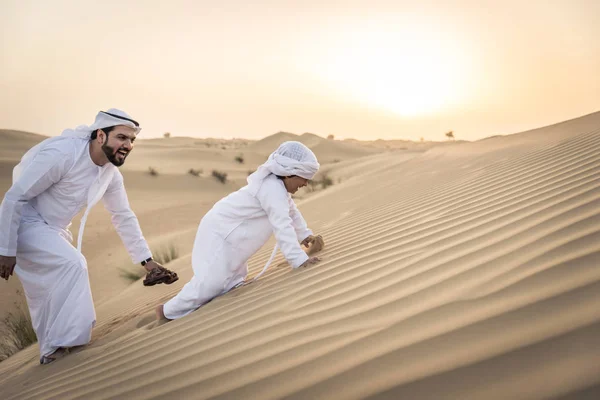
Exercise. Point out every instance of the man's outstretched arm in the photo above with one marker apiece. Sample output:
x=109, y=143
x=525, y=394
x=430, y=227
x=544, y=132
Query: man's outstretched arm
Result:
x=124, y=220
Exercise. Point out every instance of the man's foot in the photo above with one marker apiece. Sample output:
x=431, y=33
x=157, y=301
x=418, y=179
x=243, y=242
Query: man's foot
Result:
x=58, y=353
x=160, y=313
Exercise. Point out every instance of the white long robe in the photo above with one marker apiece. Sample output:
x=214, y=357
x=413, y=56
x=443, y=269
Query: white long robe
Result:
x=35, y=216
x=230, y=233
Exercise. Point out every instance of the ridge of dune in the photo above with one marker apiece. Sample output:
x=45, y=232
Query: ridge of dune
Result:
x=14, y=143
x=550, y=133
x=271, y=142
x=15, y=134
x=326, y=150
x=466, y=272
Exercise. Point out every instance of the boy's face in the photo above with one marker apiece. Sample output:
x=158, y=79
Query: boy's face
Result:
x=293, y=183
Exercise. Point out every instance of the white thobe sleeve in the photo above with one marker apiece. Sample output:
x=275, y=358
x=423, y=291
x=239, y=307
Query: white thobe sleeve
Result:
x=274, y=200
x=298, y=222
x=47, y=168
x=124, y=220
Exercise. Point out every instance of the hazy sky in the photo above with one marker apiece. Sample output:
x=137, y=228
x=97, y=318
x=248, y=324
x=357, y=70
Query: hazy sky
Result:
x=363, y=69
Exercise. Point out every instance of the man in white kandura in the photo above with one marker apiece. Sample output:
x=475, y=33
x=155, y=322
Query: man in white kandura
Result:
x=52, y=183
x=241, y=223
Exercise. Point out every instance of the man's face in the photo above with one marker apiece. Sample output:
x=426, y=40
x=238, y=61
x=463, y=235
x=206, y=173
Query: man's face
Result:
x=118, y=144
x=293, y=183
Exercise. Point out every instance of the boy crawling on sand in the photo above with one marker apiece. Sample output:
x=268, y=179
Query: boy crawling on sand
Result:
x=241, y=223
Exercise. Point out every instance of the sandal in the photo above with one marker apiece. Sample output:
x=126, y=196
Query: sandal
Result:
x=58, y=353
x=160, y=275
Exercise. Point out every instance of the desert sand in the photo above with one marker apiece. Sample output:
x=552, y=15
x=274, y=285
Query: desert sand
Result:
x=464, y=270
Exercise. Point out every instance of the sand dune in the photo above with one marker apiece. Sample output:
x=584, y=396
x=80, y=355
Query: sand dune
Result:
x=466, y=272
x=12, y=141
x=326, y=150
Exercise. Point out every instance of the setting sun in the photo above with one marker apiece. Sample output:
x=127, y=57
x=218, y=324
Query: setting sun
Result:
x=404, y=71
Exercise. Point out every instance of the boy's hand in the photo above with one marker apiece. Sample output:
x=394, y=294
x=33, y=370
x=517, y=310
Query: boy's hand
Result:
x=316, y=244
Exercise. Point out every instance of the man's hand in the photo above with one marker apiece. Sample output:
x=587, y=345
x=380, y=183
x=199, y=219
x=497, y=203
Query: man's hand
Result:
x=312, y=260
x=7, y=266
x=316, y=244
x=150, y=265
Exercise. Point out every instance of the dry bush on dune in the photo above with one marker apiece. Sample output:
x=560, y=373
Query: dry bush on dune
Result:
x=166, y=254
x=16, y=332
x=312, y=185
x=239, y=158
x=220, y=176
x=195, y=172
x=152, y=171
x=132, y=275
x=326, y=180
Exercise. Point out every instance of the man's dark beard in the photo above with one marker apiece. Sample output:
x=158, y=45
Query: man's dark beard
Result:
x=112, y=156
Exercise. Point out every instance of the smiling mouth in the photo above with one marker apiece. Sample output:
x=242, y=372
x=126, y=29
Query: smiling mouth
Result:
x=122, y=152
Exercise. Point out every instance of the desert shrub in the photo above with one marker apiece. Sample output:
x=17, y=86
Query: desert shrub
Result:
x=220, y=176
x=132, y=275
x=312, y=185
x=326, y=180
x=16, y=333
x=195, y=172
x=165, y=255
x=239, y=158
x=167, y=135
x=152, y=171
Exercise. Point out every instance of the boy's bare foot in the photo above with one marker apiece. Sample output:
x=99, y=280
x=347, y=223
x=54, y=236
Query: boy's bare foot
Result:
x=160, y=313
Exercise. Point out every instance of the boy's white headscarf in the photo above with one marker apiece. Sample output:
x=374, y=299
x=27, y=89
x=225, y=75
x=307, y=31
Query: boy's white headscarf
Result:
x=290, y=158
